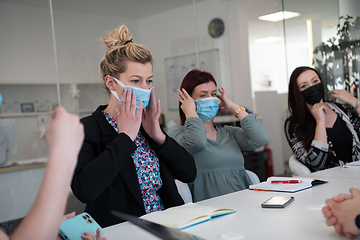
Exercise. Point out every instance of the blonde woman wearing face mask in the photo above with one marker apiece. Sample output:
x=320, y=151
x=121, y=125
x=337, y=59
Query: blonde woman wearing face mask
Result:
x=127, y=163
x=216, y=150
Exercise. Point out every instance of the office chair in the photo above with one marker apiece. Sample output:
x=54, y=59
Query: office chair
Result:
x=184, y=191
x=186, y=195
x=297, y=168
x=73, y=204
x=253, y=177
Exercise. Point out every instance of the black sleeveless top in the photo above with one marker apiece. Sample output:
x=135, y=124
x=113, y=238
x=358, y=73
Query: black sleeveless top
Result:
x=340, y=140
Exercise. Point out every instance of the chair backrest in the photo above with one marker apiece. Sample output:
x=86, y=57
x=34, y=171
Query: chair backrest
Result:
x=297, y=168
x=253, y=177
x=73, y=204
x=184, y=191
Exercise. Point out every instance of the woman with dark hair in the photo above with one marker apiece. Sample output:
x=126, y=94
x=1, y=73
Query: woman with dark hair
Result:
x=321, y=134
x=216, y=150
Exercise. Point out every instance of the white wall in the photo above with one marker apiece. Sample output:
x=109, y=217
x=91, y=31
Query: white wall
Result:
x=27, y=64
x=349, y=7
x=26, y=47
x=239, y=45
x=173, y=33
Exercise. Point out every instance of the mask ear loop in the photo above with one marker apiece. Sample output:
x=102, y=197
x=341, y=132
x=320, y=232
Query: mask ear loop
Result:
x=56, y=63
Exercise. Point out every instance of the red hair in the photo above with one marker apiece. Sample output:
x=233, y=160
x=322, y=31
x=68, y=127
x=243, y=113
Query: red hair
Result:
x=301, y=121
x=193, y=79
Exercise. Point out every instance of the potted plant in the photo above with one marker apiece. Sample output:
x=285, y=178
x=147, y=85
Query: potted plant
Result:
x=338, y=59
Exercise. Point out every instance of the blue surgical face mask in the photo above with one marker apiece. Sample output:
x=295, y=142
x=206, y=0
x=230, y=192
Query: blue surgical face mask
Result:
x=142, y=94
x=207, y=108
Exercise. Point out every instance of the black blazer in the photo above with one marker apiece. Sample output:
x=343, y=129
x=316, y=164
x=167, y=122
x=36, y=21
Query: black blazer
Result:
x=105, y=177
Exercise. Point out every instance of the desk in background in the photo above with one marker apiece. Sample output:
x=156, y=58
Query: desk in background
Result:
x=301, y=220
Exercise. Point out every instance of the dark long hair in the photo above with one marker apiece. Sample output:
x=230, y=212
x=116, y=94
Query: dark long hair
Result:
x=301, y=121
x=192, y=80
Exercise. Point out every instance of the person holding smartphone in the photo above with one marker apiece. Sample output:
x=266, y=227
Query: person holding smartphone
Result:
x=127, y=164
x=64, y=137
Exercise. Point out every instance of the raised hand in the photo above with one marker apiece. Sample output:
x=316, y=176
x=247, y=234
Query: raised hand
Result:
x=58, y=135
x=129, y=120
x=344, y=96
x=187, y=103
x=226, y=105
x=150, y=120
x=318, y=111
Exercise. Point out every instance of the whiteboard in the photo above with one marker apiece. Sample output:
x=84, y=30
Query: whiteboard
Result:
x=177, y=67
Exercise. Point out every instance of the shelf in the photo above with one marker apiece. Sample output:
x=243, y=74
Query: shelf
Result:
x=33, y=114
x=225, y=119
x=23, y=165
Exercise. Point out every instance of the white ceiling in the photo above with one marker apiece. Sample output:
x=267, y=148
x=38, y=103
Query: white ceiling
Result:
x=133, y=9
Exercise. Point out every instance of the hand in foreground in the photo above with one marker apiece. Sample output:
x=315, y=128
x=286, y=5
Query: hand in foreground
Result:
x=331, y=220
x=129, y=120
x=344, y=96
x=226, y=105
x=188, y=104
x=67, y=216
x=64, y=135
x=345, y=212
x=319, y=110
x=91, y=236
x=87, y=235
x=150, y=120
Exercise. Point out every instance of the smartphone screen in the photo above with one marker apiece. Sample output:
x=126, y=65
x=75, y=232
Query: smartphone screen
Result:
x=277, y=202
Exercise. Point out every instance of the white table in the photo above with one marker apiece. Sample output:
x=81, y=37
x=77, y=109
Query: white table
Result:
x=337, y=172
x=296, y=221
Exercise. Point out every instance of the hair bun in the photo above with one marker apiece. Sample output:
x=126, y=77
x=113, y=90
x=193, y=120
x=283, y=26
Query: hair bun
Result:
x=118, y=37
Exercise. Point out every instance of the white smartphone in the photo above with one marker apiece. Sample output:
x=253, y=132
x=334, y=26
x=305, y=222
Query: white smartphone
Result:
x=277, y=202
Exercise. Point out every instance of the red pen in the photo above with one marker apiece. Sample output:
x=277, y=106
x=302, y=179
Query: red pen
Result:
x=286, y=181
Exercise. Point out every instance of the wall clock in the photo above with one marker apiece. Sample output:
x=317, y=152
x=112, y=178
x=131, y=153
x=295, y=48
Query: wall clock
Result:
x=216, y=27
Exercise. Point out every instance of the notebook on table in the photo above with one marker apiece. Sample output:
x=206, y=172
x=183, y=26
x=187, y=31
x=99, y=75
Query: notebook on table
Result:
x=186, y=215
x=287, y=184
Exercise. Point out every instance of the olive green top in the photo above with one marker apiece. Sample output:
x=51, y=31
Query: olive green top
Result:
x=220, y=163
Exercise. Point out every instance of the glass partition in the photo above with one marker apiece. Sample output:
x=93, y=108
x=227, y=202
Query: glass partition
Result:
x=266, y=47
x=306, y=33
x=27, y=79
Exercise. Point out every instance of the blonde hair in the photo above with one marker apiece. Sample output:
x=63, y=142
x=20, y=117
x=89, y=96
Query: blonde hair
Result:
x=120, y=50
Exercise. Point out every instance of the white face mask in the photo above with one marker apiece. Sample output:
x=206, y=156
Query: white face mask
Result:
x=142, y=94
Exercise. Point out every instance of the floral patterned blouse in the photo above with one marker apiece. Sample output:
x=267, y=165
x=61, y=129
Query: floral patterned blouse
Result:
x=147, y=168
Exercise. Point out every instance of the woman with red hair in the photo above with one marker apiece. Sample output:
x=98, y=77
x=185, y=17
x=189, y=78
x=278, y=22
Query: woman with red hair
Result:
x=216, y=150
x=321, y=134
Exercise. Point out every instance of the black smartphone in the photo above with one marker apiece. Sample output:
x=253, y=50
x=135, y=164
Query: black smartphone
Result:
x=277, y=202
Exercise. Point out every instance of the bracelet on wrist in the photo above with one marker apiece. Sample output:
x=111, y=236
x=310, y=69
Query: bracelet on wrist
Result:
x=236, y=114
x=357, y=105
